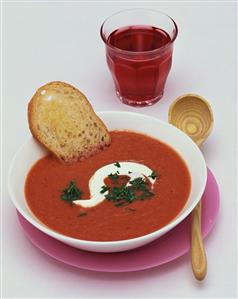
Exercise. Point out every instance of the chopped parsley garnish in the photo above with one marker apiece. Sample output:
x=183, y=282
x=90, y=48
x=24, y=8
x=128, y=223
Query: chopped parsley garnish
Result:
x=138, y=183
x=71, y=192
x=121, y=193
x=124, y=180
x=113, y=177
x=146, y=194
x=130, y=209
x=153, y=175
x=119, y=204
x=137, y=189
x=81, y=214
x=104, y=189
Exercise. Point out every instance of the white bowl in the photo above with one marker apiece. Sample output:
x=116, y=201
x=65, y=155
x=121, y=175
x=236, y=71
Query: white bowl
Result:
x=31, y=151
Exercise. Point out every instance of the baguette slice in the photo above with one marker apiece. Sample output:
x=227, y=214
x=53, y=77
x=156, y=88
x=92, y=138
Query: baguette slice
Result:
x=61, y=118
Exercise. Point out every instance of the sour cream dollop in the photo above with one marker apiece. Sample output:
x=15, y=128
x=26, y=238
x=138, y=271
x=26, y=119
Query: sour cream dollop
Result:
x=131, y=169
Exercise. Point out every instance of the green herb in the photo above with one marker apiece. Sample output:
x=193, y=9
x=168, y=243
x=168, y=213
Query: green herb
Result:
x=146, y=194
x=104, y=189
x=81, y=214
x=119, y=204
x=121, y=193
x=71, y=192
x=117, y=164
x=153, y=175
x=138, y=189
x=124, y=180
x=130, y=209
x=138, y=183
x=129, y=172
x=113, y=177
x=118, y=172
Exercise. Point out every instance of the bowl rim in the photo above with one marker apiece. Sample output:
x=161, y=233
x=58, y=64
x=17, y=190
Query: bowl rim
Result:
x=174, y=222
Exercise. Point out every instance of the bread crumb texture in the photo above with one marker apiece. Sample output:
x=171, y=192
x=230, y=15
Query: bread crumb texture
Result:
x=62, y=119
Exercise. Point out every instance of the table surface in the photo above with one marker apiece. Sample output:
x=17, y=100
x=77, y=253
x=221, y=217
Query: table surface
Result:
x=44, y=42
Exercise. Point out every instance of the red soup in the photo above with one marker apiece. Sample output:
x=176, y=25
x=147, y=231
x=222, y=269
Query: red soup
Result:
x=142, y=212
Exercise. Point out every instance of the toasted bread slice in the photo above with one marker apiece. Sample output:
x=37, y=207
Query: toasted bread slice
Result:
x=61, y=118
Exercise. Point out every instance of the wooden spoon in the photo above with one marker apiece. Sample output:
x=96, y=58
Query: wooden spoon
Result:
x=193, y=115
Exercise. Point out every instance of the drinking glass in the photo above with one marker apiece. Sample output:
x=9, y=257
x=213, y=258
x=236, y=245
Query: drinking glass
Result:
x=139, y=48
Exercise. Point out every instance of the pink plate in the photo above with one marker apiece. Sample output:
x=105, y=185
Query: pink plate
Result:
x=167, y=248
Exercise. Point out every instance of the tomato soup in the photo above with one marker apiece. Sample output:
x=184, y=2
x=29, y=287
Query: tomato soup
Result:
x=108, y=221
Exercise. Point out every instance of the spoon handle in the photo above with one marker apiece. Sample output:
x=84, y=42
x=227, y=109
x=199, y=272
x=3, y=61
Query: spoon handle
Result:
x=198, y=255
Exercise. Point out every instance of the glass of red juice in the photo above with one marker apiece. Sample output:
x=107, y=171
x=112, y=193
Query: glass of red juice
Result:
x=139, y=48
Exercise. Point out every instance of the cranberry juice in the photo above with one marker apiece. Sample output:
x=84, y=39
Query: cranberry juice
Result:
x=139, y=63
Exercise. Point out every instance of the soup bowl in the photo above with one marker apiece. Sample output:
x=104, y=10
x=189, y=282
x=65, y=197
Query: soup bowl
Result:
x=32, y=151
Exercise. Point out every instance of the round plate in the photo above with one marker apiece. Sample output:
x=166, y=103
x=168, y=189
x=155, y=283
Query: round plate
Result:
x=167, y=248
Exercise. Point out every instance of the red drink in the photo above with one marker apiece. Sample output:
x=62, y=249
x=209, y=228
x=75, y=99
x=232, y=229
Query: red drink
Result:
x=139, y=77
x=139, y=56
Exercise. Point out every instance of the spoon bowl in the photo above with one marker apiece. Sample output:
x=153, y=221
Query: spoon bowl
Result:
x=192, y=114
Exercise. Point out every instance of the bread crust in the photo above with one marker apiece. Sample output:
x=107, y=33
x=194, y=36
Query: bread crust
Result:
x=58, y=98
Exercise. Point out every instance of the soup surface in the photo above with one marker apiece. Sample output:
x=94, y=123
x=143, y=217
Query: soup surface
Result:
x=107, y=221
